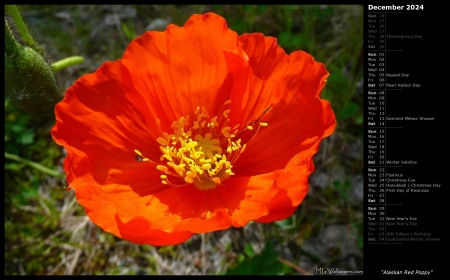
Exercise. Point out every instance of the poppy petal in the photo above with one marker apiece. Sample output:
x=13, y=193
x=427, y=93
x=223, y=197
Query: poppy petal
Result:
x=173, y=72
x=187, y=208
x=238, y=201
x=96, y=119
x=139, y=230
x=267, y=62
x=100, y=130
x=294, y=84
x=292, y=186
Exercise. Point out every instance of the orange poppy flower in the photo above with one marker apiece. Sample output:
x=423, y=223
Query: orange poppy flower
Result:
x=195, y=129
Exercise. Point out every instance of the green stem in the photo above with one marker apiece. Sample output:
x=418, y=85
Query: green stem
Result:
x=11, y=45
x=66, y=62
x=33, y=164
x=21, y=27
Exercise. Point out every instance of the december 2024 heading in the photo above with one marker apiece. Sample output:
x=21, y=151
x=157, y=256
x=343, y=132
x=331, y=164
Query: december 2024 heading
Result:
x=395, y=7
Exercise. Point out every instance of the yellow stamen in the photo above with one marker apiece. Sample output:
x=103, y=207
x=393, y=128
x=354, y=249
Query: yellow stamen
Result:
x=202, y=152
x=162, y=168
x=162, y=141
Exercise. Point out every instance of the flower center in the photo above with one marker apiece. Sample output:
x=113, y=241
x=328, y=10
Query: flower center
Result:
x=201, y=153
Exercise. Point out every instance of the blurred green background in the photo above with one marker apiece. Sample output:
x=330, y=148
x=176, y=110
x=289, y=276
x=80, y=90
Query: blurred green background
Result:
x=47, y=231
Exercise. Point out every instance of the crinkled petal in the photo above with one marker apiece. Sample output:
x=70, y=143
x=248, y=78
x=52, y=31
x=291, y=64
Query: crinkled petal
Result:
x=291, y=86
x=171, y=73
x=257, y=78
x=235, y=203
x=97, y=120
x=139, y=230
x=100, y=130
x=292, y=184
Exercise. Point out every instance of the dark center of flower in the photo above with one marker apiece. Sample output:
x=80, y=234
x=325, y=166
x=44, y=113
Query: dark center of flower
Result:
x=201, y=153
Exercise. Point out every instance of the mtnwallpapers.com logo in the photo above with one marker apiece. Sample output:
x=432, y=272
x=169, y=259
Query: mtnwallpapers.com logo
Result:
x=337, y=271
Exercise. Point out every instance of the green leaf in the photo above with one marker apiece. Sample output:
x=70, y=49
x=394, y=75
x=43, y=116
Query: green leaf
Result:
x=26, y=137
x=248, y=249
x=265, y=263
x=348, y=110
x=286, y=224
